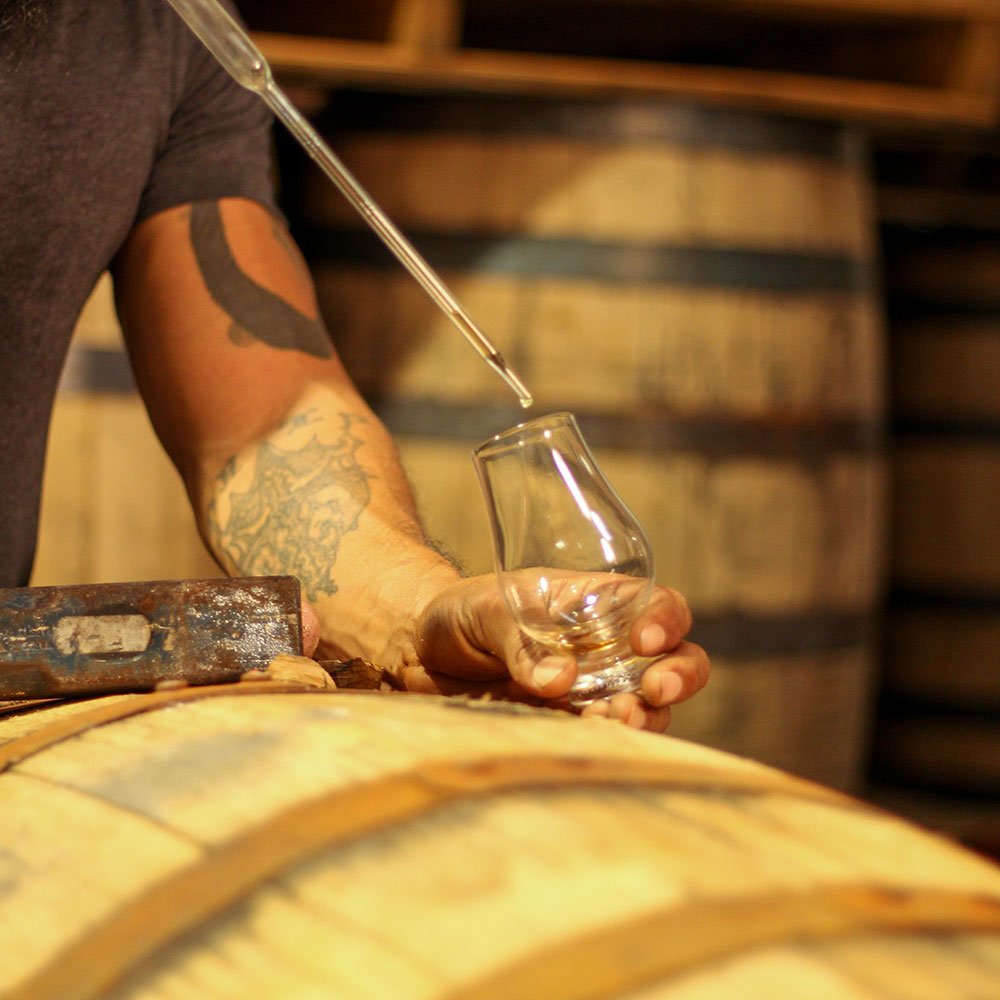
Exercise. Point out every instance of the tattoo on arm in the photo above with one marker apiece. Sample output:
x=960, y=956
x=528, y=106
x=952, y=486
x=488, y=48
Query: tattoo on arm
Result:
x=228, y=471
x=297, y=509
x=255, y=312
x=282, y=236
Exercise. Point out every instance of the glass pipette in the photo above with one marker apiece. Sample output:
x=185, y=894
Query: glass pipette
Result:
x=233, y=48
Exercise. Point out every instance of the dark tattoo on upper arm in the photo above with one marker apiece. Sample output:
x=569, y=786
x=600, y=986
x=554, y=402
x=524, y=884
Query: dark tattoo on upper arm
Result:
x=256, y=313
x=299, y=506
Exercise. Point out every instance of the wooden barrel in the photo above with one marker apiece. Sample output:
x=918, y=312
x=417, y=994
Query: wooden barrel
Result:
x=251, y=841
x=696, y=286
x=113, y=506
x=939, y=717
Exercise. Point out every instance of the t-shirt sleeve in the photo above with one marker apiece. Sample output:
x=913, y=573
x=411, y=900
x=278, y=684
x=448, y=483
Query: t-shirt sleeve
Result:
x=218, y=142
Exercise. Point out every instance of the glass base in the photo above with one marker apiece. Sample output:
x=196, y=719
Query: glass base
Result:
x=617, y=677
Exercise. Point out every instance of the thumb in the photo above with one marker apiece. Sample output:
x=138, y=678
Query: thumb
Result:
x=535, y=668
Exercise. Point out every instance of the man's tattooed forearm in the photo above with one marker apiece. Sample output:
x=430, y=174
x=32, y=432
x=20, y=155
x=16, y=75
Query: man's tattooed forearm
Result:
x=255, y=312
x=228, y=471
x=300, y=504
x=303, y=420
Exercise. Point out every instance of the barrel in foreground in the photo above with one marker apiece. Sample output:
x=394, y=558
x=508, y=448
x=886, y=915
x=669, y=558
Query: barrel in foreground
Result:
x=256, y=840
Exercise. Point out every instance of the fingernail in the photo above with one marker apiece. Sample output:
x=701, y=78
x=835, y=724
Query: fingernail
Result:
x=636, y=717
x=670, y=688
x=652, y=639
x=545, y=673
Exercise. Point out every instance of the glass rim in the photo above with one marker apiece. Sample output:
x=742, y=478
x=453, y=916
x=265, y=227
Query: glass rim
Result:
x=515, y=435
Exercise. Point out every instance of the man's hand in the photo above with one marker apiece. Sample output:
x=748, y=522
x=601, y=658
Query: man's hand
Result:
x=468, y=643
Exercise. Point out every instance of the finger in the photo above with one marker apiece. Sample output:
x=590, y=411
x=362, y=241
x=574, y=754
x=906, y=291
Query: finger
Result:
x=418, y=680
x=597, y=710
x=663, y=623
x=631, y=710
x=657, y=719
x=310, y=628
x=534, y=669
x=676, y=676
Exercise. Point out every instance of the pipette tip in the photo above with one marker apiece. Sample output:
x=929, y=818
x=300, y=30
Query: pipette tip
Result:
x=524, y=397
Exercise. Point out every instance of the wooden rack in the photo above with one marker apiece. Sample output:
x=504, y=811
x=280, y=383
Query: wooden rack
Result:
x=912, y=62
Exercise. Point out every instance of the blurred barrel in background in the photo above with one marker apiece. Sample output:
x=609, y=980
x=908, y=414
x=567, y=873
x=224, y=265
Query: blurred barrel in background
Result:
x=939, y=718
x=113, y=506
x=698, y=287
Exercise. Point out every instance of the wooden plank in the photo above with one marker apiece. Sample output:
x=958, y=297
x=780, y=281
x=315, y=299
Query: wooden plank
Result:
x=938, y=208
x=63, y=721
x=334, y=62
x=903, y=10
x=946, y=536
x=977, y=64
x=908, y=9
x=920, y=639
x=591, y=966
x=37, y=866
x=426, y=25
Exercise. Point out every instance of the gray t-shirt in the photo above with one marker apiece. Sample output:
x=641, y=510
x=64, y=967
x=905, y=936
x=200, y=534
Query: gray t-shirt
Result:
x=110, y=111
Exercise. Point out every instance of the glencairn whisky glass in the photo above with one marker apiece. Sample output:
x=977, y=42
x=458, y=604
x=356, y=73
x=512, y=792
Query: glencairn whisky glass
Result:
x=573, y=563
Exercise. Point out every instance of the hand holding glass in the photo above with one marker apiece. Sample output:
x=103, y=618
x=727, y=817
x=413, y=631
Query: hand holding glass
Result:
x=573, y=564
